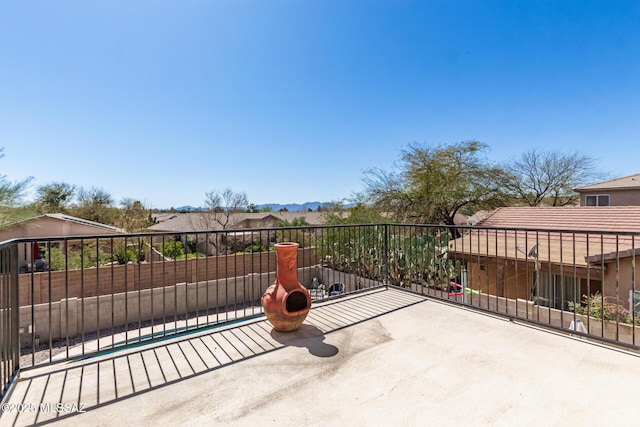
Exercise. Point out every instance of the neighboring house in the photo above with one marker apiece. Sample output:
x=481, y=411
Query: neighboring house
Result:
x=543, y=253
x=201, y=221
x=50, y=225
x=185, y=223
x=623, y=191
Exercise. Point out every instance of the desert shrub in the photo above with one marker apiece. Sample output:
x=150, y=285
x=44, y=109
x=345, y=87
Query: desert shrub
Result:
x=124, y=256
x=172, y=249
x=302, y=236
x=192, y=255
x=600, y=307
x=84, y=256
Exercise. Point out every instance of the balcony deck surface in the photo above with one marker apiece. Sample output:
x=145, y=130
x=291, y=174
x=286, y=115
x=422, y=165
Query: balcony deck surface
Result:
x=384, y=357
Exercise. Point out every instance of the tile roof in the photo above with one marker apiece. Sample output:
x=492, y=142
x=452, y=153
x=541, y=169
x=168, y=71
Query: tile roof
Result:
x=69, y=218
x=569, y=236
x=72, y=219
x=625, y=182
x=555, y=249
x=587, y=218
x=181, y=222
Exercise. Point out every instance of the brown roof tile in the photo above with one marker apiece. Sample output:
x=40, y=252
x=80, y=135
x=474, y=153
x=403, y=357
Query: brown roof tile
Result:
x=559, y=233
x=625, y=182
x=596, y=218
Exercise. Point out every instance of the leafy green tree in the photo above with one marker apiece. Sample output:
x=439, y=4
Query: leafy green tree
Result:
x=252, y=208
x=293, y=234
x=295, y=222
x=548, y=177
x=434, y=183
x=54, y=197
x=133, y=216
x=95, y=204
x=18, y=213
x=358, y=214
x=11, y=194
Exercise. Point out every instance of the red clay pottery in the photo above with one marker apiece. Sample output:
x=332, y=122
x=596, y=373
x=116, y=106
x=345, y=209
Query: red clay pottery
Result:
x=286, y=302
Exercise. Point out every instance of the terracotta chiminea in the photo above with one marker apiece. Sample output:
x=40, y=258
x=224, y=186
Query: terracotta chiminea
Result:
x=286, y=302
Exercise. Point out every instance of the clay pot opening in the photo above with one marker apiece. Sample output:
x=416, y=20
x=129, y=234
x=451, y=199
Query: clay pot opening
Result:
x=296, y=301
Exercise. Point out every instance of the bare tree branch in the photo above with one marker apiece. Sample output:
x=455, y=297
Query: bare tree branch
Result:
x=549, y=177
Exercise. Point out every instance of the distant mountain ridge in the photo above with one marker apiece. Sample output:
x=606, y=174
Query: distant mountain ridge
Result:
x=291, y=207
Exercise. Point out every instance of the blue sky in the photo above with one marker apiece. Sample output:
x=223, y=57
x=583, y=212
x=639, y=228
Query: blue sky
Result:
x=290, y=101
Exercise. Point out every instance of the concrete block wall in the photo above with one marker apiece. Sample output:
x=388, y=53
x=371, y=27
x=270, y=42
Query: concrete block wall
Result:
x=70, y=317
x=39, y=288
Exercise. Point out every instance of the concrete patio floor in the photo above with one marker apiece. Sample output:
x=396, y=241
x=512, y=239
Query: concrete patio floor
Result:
x=384, y=357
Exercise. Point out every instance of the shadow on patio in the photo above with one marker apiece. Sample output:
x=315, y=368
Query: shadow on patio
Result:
x=382, y=357
x=100, y=381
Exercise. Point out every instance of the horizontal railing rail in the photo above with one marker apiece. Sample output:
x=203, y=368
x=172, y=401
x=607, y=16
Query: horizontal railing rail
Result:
x=84, y=295
x=77, y=296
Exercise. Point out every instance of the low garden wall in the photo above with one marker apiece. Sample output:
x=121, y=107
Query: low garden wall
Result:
x=70, y=317
x=39, y=288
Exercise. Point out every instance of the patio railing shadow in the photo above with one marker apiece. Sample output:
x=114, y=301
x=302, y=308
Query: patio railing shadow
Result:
x=87, y=384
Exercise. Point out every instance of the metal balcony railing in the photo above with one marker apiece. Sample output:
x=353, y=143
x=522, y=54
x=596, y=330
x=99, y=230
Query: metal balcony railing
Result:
x=73, y=297
x=9, y=324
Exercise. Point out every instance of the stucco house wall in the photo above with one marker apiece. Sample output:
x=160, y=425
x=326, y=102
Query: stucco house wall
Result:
x=47, y=226
x=618, y=283
x=501, y=280
x=571, y=252
x=627, y=197
x=623, y=191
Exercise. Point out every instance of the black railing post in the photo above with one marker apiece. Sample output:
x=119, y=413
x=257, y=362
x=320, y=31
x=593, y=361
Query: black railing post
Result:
x=9, y=318
x=15, y=308
x=386, y=253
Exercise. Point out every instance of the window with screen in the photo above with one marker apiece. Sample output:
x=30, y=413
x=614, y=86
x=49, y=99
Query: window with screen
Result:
x=597, y=200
